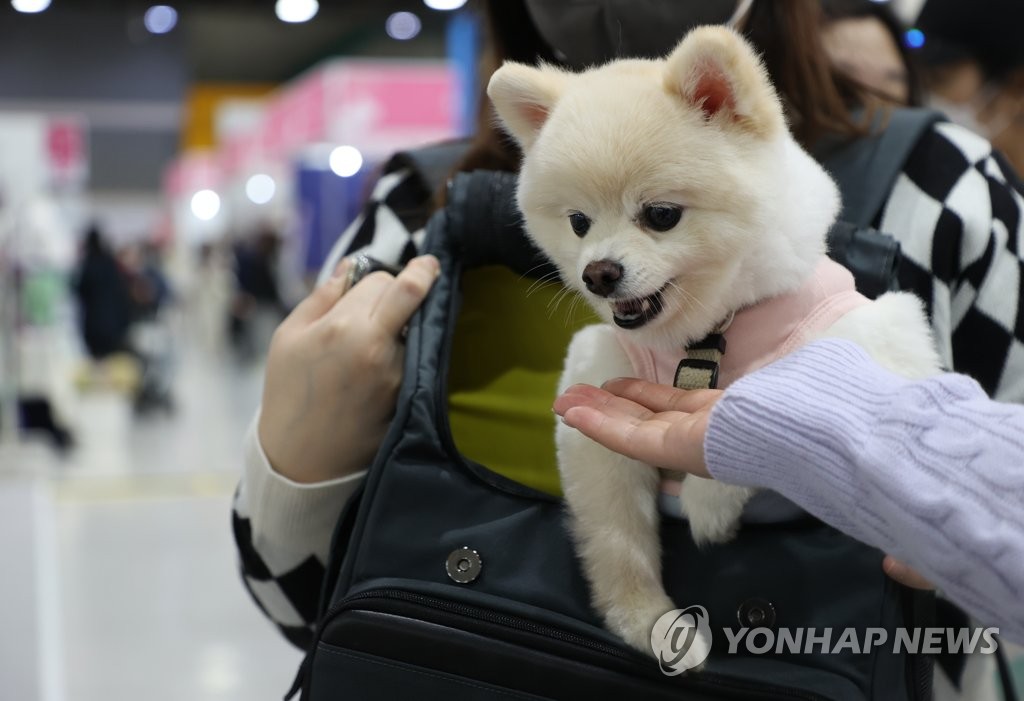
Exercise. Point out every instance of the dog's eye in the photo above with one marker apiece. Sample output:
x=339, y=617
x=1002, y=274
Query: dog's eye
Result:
x=661, y=217
x=580, y=223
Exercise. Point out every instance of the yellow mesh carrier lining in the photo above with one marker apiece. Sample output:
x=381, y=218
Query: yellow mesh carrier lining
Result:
x=507, y=356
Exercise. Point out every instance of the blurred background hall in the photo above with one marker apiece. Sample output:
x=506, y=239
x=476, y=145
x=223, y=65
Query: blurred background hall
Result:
x=170, y=175
x=171, y=178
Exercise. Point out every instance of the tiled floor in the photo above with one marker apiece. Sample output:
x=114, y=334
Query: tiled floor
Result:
x=158, y=612
x=123, y=584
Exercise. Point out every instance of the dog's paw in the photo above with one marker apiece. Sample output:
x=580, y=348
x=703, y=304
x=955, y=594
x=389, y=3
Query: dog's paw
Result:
x=708, y=531
x=634, y=620
x=713, y=509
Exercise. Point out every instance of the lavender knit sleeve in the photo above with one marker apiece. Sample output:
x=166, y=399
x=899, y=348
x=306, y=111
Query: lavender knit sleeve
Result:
x=930, y=471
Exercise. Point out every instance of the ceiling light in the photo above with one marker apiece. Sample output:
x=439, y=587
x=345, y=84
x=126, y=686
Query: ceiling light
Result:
x=205, y=205
x=160, y=19
x=402, y=26
x=346, y=161
x=30, y=6
x=444, y=4
x=260, y=188
x=296, y=11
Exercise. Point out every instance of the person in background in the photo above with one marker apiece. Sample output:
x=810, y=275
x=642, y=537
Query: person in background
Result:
x=257, y=295
x=865, y=41
x=40, y=261
x=104, y=300
x=307, y=450
x=209, y=296
x=929, y=471
x=152, y=340
x=973, y=57
x=151, y=291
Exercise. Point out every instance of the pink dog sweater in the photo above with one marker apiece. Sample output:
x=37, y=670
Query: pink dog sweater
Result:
x=762, y=333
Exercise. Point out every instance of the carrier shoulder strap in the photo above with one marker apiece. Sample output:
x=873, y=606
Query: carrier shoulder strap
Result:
x=433, y=163
x=866, y=168
x=481, y=217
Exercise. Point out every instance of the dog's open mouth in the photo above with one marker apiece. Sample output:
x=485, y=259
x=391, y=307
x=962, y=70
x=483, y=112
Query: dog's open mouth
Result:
x=634, y=313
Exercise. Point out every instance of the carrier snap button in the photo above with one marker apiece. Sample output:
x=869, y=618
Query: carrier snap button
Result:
x=756, y=613
x=463, y=565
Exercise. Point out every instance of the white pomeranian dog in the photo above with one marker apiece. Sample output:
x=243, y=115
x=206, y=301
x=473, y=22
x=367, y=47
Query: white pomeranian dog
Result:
x=672, y=196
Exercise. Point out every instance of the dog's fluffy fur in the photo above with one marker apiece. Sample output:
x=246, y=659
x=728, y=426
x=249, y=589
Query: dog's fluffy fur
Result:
x=703, y=130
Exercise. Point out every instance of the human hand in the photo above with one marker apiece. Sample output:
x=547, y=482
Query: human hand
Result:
x=658, y=425
x=905, y=574
x=333, y=371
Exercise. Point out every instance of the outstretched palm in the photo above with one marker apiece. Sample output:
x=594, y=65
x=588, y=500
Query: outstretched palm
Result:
x=656, y=424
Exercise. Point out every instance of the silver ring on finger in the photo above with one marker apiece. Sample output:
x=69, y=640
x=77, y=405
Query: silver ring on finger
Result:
x=356, y=270
x=362, y=265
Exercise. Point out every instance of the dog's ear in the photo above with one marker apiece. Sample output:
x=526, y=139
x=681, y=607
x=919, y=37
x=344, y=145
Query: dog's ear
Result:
x=716, y=71
x=523, y=98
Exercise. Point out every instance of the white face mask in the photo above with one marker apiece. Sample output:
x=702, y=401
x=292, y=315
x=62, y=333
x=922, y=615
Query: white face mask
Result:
x=966, y=113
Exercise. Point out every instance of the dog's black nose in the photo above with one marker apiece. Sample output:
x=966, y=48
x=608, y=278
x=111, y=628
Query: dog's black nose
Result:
x=602, y=276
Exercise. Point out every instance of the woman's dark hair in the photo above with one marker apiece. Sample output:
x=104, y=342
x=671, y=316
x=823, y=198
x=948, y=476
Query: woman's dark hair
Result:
x=787, y=34
x=817, y=97
x=986, y=31
x=511, y=35
x=835, y=10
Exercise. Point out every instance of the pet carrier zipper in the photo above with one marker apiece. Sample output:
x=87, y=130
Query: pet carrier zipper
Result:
x=711, y=680
x=480, y=615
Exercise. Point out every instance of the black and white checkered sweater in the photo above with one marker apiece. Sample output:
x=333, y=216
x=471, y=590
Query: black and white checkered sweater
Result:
x=956, y=208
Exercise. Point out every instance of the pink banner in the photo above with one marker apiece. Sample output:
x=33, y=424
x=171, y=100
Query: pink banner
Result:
x=380, y=107
x=66, y=146
x=191, y=172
